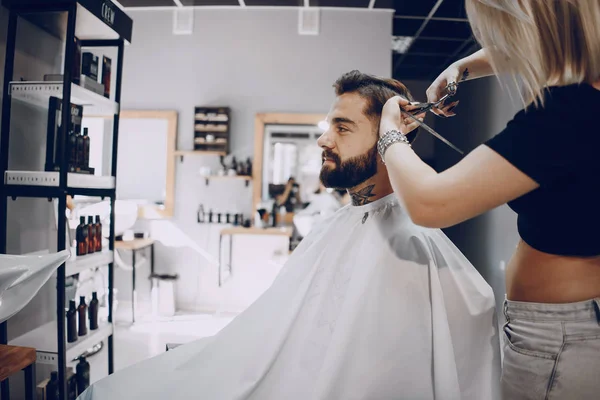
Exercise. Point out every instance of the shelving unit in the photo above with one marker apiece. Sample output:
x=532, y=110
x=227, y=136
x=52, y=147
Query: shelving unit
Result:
x=90, y=261
x=96, y=23
x=211, y=129
x=46, y=347
x=183, y=153
x=38, y=93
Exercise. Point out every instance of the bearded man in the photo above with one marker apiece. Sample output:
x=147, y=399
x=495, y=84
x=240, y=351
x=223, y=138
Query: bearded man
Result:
x=369, y=306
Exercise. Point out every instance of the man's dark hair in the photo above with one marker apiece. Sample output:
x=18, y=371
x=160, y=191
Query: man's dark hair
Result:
x=376, y=91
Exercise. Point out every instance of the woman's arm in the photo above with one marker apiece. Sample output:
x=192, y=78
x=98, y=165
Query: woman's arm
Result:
x=476, y=65
x=480, y=182
x=483, y=180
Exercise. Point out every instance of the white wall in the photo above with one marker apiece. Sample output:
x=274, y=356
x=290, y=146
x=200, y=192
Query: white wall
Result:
x=252, y=60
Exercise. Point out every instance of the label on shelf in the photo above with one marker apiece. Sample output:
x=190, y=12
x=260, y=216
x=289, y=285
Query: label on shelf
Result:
x=38, y=94
x=38, y=178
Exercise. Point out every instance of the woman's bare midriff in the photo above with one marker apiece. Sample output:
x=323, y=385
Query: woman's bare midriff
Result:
x=537, y=277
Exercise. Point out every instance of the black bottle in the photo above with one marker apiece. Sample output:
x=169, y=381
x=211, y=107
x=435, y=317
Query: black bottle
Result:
x=210, y=216
x=72, y=322
x=82, y=311
x=82, y=370
x=52, y=392
x=274, y=214
x=249, y=167
x=80, y=157
x=98, y=234
x=72, y=387
x=234, y=164
x=72, y=150
x=91, y=235
x=85, y=162
x=93, y=312
x=81, y=234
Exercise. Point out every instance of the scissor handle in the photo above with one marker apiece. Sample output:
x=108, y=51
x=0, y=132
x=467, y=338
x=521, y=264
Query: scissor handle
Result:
x=452, y=87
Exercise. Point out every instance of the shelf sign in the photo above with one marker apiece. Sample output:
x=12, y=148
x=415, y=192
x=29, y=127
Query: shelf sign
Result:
x=108, y=13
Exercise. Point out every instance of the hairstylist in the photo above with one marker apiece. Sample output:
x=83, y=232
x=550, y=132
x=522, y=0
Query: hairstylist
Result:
x=546, y=165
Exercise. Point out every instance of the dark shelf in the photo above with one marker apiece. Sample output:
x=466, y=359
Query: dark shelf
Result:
x=217, y=134
x=96, y=19
x=97, y=23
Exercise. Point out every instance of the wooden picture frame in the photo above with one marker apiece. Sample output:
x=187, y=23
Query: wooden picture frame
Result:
x=260, y=121
x=171, y=116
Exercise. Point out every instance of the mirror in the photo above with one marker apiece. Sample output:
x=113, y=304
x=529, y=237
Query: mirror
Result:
x=285, y=145
x=145, y=158
x=291, y=152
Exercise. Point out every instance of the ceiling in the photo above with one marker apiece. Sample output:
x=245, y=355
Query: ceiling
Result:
x=430, y=34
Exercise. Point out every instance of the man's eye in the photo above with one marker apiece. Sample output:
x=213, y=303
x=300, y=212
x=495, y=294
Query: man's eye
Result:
x=342, y=129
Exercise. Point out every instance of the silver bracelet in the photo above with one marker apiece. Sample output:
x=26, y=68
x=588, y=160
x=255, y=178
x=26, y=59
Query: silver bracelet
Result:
x=389, y=139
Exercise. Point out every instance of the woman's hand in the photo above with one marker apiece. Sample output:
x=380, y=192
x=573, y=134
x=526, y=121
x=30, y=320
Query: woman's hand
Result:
x=393, y=119
x=438, y=89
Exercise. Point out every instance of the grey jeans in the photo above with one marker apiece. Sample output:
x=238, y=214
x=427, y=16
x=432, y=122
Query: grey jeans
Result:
x=551, y=351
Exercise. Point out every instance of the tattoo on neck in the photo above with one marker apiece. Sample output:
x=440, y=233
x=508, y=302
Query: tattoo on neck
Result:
x=465, y=75
x=363, y=196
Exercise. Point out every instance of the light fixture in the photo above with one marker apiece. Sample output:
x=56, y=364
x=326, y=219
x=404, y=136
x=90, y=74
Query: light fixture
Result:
x=401, y=43
x=323, y=125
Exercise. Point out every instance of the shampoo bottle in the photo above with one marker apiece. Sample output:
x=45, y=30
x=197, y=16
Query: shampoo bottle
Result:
x=93, y=312
x=82, y=371
x=82, y=311
x=98, y=234
x=80, y=155
x=91, y=235
x=72, y=322
x=72, y=147
x=52, y=392
x=81, y=235
x=86, y=149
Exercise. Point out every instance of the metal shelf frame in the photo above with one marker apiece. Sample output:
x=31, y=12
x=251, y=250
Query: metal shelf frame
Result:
x=107, y=26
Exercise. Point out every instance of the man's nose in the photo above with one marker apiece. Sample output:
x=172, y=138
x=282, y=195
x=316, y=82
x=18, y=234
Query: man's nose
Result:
x=325, y=141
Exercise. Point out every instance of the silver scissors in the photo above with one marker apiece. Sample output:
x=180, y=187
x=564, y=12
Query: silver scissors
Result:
x=424, y=107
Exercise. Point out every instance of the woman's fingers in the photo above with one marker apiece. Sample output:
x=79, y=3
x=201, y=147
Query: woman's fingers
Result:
x=446, y=110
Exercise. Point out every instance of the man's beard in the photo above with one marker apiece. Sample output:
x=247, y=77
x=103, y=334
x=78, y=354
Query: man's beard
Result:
x=350, y=173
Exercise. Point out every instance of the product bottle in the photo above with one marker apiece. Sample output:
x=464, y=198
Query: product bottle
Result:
x=86, y=149
x=81, y=310
x=234, y=165
x=72, y=387
x=93, y=312
x=91, y=235
x=210, y=216
x=82, y=370
x=72, y=322
x=98, y=234
x=72, y=147
x=274, y=214
x=249, y=167
x=200, y=214
x=80, y=155
x=81, y=234
x=52, y=392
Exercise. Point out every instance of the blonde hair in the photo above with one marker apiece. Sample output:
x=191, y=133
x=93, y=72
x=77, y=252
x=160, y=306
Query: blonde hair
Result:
x=539, y=43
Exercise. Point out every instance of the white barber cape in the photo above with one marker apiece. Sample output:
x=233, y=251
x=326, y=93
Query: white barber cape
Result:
x=368, y=307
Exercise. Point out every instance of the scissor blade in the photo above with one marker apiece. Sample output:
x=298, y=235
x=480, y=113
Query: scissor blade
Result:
x=434, y=133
